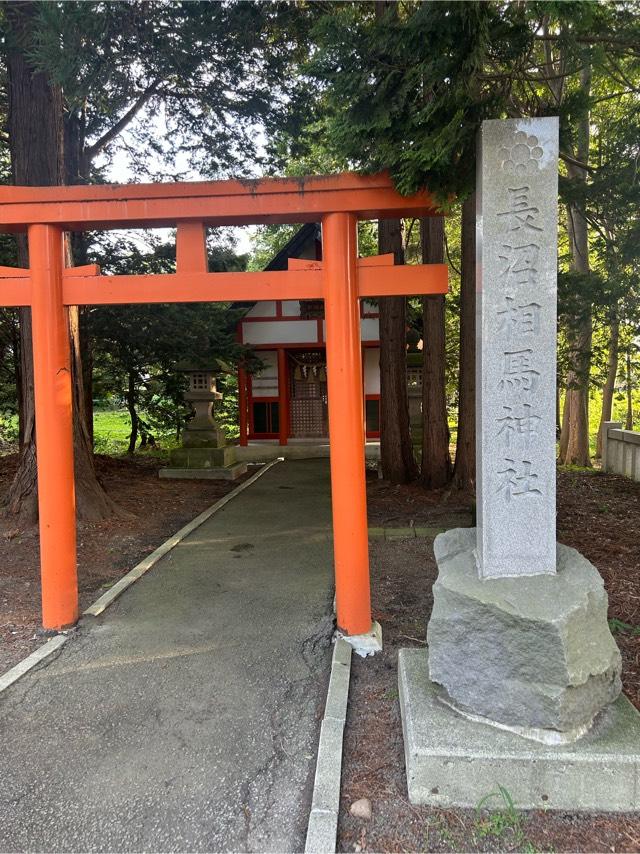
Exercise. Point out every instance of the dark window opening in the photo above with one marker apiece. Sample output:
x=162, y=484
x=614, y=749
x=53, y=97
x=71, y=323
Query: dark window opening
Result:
x=372, y=412
x=311, y=309
x=266, y=417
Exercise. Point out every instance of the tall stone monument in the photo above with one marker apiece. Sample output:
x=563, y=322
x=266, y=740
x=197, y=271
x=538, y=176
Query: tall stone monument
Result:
x=516, y=293
x=521, y=683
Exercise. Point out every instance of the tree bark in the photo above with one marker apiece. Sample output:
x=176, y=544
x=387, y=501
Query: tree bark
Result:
x=77, y=171
x=35, y=125
x=86, y=350
x=17, y=374
x=574, y=442
x=396, y=447
x=629, y=421
x=133, y=413
x=436, y=459
x=564, y=431
x=612, y=373
x=464, y=471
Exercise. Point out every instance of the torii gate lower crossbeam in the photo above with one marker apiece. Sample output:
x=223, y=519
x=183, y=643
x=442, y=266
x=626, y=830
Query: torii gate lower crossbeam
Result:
x=341, y=280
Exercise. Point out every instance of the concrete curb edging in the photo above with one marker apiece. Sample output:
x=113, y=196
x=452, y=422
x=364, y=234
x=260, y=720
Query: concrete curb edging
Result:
x=31, y=661
x=145, y=565
x=325, y=803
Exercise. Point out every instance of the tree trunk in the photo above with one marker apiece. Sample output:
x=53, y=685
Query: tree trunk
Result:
x=133, y=414
x=629, y=421
x=464, y=472
x=77, y=171
x=610, y=382
x=574, y=444
x=86, y=350
x=574, y=440
x=147, y=439
x=36, y=144
x=564, y=432
x=17, y=374
x=396, y=447
x=436, y=458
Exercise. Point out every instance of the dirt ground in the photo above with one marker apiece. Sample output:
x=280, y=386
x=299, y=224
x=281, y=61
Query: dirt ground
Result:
x=106, y=550
x=597, y=514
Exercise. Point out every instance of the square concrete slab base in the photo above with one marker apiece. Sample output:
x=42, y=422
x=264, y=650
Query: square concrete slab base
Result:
x=214, y=473
x=453, y=761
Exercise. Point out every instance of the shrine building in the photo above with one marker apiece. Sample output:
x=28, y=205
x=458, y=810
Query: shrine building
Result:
x=287, y=400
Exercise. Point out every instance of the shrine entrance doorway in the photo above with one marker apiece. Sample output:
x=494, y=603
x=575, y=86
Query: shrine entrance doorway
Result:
x=309, y=411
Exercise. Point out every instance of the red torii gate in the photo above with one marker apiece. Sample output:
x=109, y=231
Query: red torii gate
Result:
x=340, y=279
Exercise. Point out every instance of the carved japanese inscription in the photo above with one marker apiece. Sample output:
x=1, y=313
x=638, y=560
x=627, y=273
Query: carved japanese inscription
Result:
x=516, y=346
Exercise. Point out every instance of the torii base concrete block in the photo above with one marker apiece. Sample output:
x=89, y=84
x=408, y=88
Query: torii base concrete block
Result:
x=454, y=761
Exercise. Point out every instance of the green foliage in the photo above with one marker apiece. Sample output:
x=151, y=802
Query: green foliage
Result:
x=500, y=823
x=204, y=73
x=267, y=241
x=112, y=428
x=137, y=348
x=617, y=626
x=405, y=90
x=183, y=88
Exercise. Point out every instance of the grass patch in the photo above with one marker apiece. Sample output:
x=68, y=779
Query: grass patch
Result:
x=617, y=626
x=111, y=430
x=504, y=823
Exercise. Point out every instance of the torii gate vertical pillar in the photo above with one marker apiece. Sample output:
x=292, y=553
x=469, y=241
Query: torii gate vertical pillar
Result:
x=346, y=424
x=54, y=429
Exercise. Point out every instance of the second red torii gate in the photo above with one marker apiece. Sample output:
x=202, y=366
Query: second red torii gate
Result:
x=341, y=279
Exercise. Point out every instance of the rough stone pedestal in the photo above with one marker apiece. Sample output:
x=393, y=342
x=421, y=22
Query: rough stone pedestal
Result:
x=529, y=652
x=454, y=761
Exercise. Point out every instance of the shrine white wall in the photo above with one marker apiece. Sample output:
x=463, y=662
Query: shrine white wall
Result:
x=265, y=384
x=371, y=368
x=369, y=329
x=280, y=332
x=297, y=331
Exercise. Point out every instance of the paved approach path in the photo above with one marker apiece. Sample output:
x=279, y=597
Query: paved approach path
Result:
x=186, y=717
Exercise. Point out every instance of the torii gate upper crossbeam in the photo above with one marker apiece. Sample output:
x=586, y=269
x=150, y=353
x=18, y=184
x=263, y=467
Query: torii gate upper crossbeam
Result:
x=341, y=280
x=268, y=200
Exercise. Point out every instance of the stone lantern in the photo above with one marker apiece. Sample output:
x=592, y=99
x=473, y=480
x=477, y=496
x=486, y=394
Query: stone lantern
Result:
x=414, y=384
x=201, y=430
x=204, y=452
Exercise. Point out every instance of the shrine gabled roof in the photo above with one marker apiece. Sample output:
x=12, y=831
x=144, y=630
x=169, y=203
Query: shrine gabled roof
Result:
x=309, y=231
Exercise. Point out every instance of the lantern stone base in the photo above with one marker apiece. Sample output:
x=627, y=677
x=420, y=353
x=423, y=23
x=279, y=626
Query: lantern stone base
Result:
x=223, y=473
x=453, y=761
x=207, y=437
x=204, y=463
x=202, y=458
x=534, y=653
